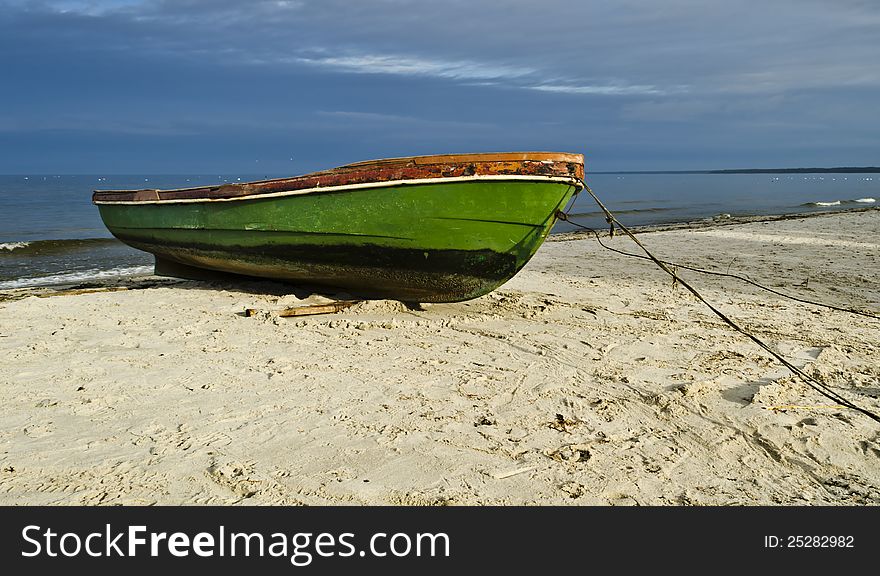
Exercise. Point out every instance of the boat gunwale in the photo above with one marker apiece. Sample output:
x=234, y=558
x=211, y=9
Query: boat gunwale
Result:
x=470, y=157
x=569, y=180
x=384, y=172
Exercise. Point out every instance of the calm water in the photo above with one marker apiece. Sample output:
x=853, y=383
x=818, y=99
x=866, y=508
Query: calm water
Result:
x=50, y=233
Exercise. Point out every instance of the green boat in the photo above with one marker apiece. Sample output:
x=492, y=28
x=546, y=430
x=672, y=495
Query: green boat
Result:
x=441, y=228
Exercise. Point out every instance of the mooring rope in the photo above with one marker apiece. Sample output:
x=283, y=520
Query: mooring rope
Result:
x=564, y=216
x=811, y=381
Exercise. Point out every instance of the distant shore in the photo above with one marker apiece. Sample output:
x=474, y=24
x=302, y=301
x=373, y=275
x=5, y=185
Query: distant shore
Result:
x=589, y=378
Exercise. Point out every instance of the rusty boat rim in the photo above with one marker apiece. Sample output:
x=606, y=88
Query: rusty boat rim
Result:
x=564, y=168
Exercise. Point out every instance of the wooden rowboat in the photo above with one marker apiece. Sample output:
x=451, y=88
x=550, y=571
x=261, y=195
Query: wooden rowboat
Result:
x=422, y=229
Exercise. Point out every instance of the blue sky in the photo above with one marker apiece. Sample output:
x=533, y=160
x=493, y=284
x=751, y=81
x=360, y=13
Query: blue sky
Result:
x=289, y=86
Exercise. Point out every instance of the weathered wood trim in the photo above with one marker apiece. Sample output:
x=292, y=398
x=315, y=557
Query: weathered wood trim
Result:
x=165, y=198
x=392, y=171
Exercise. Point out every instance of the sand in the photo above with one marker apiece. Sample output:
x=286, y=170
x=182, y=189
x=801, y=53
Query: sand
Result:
x=587, y=379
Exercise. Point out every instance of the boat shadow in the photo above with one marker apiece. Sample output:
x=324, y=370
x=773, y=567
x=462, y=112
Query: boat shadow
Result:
x=243, y=284
x=248, y=285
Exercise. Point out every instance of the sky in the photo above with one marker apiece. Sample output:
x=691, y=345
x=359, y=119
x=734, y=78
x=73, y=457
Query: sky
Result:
x=283, y=87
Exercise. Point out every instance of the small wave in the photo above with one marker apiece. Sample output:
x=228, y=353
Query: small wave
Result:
x=75, y=277
x=45, y=247
x=10, y=246
x=840, y=202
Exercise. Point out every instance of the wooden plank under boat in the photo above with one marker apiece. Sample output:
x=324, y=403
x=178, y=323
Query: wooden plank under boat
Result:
x=440, y=228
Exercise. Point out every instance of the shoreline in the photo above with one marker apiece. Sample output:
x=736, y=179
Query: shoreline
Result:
x=717, y=221
x=586, y=379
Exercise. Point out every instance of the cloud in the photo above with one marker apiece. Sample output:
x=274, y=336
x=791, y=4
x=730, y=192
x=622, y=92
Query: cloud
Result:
x=82, y=7
x=603, y=90
x=371, y=120
x=97, y=124
x=364, y=38
x=415, y=66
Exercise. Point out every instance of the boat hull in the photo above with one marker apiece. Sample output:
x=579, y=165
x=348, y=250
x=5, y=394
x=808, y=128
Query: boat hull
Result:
x=435, y=241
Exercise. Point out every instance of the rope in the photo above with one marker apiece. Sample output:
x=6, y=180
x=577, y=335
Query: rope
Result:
x=812, y=382
x=563, y=216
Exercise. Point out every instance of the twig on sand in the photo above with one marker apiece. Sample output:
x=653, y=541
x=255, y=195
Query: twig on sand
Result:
x=331, y=308
x=509, y=473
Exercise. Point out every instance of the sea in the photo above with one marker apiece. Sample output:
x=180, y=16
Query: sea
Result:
x=51, y=233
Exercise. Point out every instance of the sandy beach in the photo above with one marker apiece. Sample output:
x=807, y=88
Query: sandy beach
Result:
x=587, y=379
